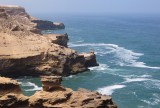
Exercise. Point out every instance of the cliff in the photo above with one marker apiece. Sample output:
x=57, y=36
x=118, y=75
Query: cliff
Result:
x=24, y=50
x=53, y=95
x=22, y=16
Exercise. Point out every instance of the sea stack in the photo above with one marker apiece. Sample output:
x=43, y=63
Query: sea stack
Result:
x=51, y=83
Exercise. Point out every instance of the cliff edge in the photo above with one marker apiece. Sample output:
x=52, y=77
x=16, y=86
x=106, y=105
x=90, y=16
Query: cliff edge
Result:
x=24, y=50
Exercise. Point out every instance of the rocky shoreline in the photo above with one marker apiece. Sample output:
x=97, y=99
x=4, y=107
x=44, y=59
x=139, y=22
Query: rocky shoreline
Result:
x=25, y=51
x=53, y=95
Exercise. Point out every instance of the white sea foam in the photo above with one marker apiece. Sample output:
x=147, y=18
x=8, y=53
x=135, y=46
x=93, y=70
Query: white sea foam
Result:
x=108, y=90
x=152, y=83
x=145, y=76
x=68, y=77
x=123, y=57
x=128, y=80
x=101, y=67
x=140, y=106
x=154, y=100
x=30, y=84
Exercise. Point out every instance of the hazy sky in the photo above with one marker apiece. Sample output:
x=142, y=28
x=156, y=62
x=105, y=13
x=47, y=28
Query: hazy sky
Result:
x=88, y=6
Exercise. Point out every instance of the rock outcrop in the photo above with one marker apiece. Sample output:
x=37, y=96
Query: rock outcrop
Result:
x=24, y=50
x=22, y=16
x=56, y=96
x=10, y=94
x=8, y=86
x=48, y=25
x=90, y=59
x=60, y=39
x=53, y=95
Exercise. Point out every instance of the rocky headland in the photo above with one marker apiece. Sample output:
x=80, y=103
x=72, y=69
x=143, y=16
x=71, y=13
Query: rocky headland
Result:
x=24, y=50
x=53, y=95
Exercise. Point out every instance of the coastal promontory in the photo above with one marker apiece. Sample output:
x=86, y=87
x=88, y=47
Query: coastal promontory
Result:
x=24, y=50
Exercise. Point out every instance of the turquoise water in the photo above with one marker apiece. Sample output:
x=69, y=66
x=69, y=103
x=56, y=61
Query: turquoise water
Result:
x=128, y=51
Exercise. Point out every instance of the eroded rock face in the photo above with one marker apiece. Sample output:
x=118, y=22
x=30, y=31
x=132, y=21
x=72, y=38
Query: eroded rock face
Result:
x=70, y=99
x=53, y=97
x=24, y=52
x=48, y=25
x=67, y=98
x=52, y=83
x=12, y=100
x=60, y=39
x=90, y=59
x=10, y=94
x=32, y=24
x=8, y=85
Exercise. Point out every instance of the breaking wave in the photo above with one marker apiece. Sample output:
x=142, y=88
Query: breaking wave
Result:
x=122, y=56
x=108, y=90
x=33, y=86
x=101, y=67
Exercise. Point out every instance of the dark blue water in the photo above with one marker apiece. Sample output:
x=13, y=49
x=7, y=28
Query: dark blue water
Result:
x=128, y=51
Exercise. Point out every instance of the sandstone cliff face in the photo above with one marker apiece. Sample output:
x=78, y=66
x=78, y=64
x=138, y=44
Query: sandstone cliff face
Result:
x=8, y=86
x=56, y=96
x=10, y=94
x=24, y=52
x=90, y=59
x=36, y=55
x=53, y=95
x=22, y=16
x=60, y=39
x=48, y=25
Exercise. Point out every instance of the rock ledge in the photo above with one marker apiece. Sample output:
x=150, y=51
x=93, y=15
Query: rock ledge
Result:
x=55, y=97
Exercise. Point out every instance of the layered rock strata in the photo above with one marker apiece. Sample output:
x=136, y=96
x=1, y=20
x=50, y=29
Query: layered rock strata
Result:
x=24, y=50
x=21, y=15
x=66, y=97
x=10, y=94
x=53, y=95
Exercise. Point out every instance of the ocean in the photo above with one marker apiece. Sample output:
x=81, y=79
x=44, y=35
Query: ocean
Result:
x=127, y=48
